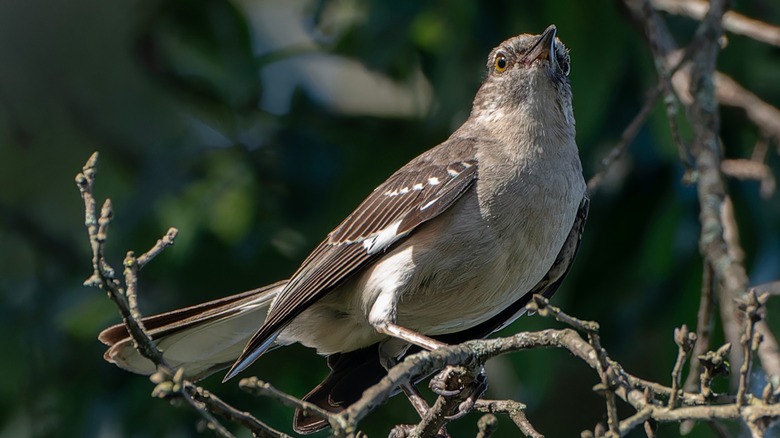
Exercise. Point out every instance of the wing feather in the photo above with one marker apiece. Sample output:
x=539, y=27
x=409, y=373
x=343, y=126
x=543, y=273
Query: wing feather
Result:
x=417, y=193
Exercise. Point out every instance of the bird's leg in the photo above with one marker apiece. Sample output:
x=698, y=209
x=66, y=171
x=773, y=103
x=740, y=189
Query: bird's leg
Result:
x=388, y=358
x=412, y=393
x=415, y=398
x=442, y=384
x=411, y=336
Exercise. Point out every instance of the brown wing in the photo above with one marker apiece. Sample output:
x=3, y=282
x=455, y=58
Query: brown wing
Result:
x=415, y=194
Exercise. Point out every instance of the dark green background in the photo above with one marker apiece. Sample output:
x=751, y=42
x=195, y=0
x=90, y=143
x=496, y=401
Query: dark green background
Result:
x=211, y=118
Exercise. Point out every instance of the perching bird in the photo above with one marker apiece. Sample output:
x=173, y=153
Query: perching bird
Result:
x=449, y=248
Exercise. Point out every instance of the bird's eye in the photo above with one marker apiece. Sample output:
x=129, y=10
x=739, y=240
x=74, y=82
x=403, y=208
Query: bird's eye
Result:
x=501, y=63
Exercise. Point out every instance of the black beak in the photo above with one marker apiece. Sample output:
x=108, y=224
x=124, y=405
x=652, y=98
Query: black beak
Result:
x=544, y=48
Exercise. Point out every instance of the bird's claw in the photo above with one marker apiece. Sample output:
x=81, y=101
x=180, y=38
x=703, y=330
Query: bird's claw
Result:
x=458, y=381
x=448, y=382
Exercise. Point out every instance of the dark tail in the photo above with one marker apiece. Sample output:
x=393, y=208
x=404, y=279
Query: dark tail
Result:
x=351, y=374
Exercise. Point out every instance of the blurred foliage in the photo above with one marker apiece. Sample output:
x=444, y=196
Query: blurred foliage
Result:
x=255, y=126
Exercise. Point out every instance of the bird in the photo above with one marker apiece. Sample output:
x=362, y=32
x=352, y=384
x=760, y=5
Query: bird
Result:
x=451, y=247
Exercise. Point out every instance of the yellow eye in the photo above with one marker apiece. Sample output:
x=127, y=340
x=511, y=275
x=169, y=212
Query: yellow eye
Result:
x=501, y=63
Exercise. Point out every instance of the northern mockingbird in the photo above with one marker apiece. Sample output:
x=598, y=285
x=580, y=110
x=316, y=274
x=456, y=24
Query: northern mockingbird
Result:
x=449, y=248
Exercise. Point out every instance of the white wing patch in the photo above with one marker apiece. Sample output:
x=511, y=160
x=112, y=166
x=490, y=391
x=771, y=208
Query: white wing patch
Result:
x=381, y=240
x=417, y=187
x=429, y=203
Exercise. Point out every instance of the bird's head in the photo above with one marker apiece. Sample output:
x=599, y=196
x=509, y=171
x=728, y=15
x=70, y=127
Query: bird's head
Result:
x=527, y=73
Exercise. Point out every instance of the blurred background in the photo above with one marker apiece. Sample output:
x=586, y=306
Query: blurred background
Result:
x=255, y=126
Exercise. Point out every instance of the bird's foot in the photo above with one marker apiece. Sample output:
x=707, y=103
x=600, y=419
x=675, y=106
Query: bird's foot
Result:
x=462, y=383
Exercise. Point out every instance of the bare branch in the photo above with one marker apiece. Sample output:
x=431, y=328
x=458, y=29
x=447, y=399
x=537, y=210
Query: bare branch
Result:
x=626, y=138
x=685, y=341
x=515, y=410
x=730, y=93
x=169, y=385
x=214, y=404
x=468, y=353
x=666, y=62
x=635, y=420
x=768, y=352
x=542, y=305
x=461, y=382
x=103, y=275
x=772, y=288
x=486, y=425
x=255, y=386
x=732, y=21
x=703, y=335
x=731, y=275
x=753, y=308
x=749, y=169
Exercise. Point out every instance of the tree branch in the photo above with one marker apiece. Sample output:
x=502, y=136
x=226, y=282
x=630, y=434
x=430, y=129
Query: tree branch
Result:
x=124, y=296
x=732, y=21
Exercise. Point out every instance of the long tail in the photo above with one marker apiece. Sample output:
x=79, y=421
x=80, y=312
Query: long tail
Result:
x=202, y=339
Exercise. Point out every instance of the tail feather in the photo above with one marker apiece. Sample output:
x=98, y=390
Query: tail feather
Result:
x=202, y=339
x=351, y=374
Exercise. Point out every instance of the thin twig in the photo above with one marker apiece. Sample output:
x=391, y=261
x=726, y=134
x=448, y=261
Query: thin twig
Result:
x=607, y=386
x=436, y=417
x=487, y=425
x=125, y=298
x=515, y=410
x=772, y=288
x=134, y=264
x=158, y=247
x=103, y=275
x=255, y=386
x=752, y=306
x=703, y=328
x=654, y=31
x=745, y=169
x=685, y=341
x=211, y=421
x=217, y=406
x=459, y=379
x=769, y=352
x=732, y=21
x=703, y=335
x=730, y=93
x=628, y=135
x=542, y=305
x=635, y=420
